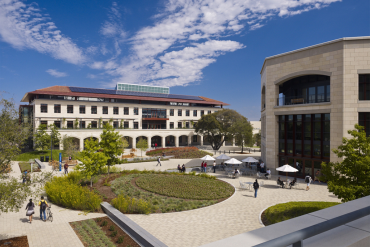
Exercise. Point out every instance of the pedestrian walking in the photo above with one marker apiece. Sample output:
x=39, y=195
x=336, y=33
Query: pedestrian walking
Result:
x=43, y=205
x=205, y=167
x=214, y=166
x=30, y=210
x=308, y=180
x=25, y=176
x=255, y=187
x=65, y=168
x=159, y=161
x=202, y=166
x=155, y=145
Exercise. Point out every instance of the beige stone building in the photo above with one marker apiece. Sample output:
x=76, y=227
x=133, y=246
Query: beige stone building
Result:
x=310, y=98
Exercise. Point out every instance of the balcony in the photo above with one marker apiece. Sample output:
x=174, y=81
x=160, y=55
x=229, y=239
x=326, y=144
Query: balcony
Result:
x=299, y=100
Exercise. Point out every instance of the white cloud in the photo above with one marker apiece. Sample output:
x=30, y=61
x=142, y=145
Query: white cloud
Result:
x=56, y=73
x=24, y=27
x=188, y=35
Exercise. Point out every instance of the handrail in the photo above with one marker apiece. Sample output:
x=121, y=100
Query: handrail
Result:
x=296, y=238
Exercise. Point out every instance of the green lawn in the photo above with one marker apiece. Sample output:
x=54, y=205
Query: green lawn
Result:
x=36, y=155
x=289, y=210
x=27, y=166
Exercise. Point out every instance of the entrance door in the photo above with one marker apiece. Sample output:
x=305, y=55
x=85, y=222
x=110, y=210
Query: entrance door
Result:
x=299, y=166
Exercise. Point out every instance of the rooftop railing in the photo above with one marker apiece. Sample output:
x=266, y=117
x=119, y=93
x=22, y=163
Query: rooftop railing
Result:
x=297, y=100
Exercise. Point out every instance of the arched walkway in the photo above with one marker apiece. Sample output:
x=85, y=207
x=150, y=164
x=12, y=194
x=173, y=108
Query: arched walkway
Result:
x=170, y=141
x=183, y=140
x=129, y=140
x=156, y=140
x=205, y=142
x=141, y=137
x=196, y=140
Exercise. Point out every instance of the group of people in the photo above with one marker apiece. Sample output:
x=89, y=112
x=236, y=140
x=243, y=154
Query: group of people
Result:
x=31, y=209
x=25, y=176
x=181, y=168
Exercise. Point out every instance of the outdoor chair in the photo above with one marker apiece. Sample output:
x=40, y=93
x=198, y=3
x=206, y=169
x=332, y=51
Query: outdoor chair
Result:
x=268, y=176
x=261, y=184
x=296, y=185
x=243, y=186
x=259, y=175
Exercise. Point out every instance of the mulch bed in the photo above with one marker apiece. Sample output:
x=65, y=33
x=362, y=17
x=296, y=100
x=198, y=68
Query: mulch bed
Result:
x=127, y=240
x=15, y=242
x=264, y=220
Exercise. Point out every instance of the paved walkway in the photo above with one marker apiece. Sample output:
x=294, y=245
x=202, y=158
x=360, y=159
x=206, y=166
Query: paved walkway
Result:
x=238, y=214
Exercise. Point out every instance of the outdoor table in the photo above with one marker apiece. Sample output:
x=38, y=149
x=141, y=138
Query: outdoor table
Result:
x=250, y=184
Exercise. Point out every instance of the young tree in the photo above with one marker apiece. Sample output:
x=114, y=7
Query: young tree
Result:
x=112, y=145
x=70, y=145
x=350, y=179
x=42, y=138
x=217, y=126
x=125, y=144
x=242, y=131
x=142, y=144
x=257, y=138
x=55, y=134
x=92, y=160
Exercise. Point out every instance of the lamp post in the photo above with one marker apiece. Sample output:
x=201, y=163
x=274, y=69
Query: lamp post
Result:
x=51, y=147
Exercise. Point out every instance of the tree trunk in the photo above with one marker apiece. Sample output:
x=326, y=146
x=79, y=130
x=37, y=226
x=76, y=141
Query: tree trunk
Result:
x=91, y=182
x=108, y=170
x=242, y=147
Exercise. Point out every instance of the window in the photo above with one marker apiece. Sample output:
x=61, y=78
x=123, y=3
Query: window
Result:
x=44, y=108
x=104, y=123
x=209, y=112
x=125, y=110
x=115, y=124
x=57, y=124
x=44, y=123
x=136, y=111
x=187, y=125
x=82, y=124
x=179, y=112
x=105, y=109
x=195, y=138
x=115, y=110
x=94, y=110
x=364, y=87
x=94, y=124
x=364, y=120
x=154, y=113
x=195, y=113
x=56, y=108
x=125, y=125
x=172, y=112
x=179, y=125
x=69, y=108
x=136, y=125
x=82, y=109
x=201, y=113
x=69, y=124
x=171, y=125
x=187, y=113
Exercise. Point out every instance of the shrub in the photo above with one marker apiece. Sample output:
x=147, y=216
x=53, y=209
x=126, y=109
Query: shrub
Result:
x=120, y=240
x=111, y=228
x=126, y=204
x=113, y=234
x=62, y=191
x=104, y=223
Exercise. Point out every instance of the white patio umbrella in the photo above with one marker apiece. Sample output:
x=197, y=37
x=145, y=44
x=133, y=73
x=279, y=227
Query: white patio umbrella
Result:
x=223, y=157
x=207, y=157
x=286, y=168
x=250, y=160
x=233, y=161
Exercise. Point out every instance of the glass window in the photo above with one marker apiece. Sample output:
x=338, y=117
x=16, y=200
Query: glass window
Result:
x=136, y=111
x=116, y=124
x=195, y=112
x=105, y=109
x=94, y=124
x=126, y=125
x=187, y=125
x=44, y=108
x=364, y=87
x=171, y=125
x=136, y=125
x=179, y=112
x=327, y=93
x=115, y=110
x=209, y=112
x=82, y=109
x=195, y=138
x=56, y=108
x=82, y=124
x=187, y=113
x=69, y=124
x=364, y=120
x=179, y=125
x=172, y=112
x=69, y=108
x=94, y=110
x=201, y=113
x=57, y=124
x=125, y=111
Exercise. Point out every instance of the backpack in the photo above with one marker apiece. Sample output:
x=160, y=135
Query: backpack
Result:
x=255, y=185
x=307, y=179
x=158, y=159
x=43, y=205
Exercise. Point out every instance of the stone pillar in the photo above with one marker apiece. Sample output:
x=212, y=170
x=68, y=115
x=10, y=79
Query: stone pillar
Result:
x=189, y=139
x=233, y=142
x=133, y=142
x=176, y=141
x=149, y=141
x=81, y=144
x=201, y=140
x=163, y=141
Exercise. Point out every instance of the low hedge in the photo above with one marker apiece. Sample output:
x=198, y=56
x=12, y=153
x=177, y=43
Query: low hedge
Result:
x=129, y=205
x=179, y=152
x=289, y=210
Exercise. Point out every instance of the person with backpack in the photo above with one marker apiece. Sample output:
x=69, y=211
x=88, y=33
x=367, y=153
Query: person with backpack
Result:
x=25, y=176
x=65, y=168
x=159, y=161
x=202, y=166
x=205, y=167
x=255, y=187
x=43, y=205
x=308, y=180
x=30, y=210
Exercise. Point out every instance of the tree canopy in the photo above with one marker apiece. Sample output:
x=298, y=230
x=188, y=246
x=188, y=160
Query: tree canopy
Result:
x=350, y=179
x=142, y=144
x=42, y=140
x=242, y=132
x=257, y=139
x=70, y=145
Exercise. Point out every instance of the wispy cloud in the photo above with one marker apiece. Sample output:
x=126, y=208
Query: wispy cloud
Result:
x=56, y=73
x=25, y=27
x=189, y=35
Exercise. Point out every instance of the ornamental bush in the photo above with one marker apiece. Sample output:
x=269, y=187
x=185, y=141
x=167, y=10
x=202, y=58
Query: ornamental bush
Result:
x=65, y=191
x=127, y=204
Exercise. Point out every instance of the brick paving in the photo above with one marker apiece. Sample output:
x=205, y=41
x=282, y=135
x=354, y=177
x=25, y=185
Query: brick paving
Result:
x=238, y=214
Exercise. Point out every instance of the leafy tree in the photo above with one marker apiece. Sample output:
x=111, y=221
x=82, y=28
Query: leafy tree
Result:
x=350, y=179
x=112, y=145
x=217, y=127
x=125, y=144
x=70, y=145
x=42, y=138
x=257, y=138
x=242, y=131
x=92, y=160
x=142, y=144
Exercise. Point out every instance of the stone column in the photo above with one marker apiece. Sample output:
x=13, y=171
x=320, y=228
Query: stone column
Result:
x=201, y=140
x=81, y=144
x=234, y=142
x=189, y=139
x=176, y=141
x=149, y=142
x=163, y=141
x=133, y=142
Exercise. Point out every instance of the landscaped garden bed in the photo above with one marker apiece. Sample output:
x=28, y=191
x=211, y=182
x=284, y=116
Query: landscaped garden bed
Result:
x=101, y=232
x=15, y=242
x=179, y=153
x=27, y=166
x=285, y=211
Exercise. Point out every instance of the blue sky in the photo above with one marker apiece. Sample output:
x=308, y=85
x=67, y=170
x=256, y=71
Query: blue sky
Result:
x=211, y=48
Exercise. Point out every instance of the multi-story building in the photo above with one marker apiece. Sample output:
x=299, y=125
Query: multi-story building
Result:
x=310, y=98
x=134, y=111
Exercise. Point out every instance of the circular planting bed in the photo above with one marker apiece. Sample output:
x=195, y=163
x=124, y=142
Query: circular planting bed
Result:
x=289, y=210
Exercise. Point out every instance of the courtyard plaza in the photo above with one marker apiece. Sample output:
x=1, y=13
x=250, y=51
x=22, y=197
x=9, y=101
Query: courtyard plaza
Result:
x=239, y=213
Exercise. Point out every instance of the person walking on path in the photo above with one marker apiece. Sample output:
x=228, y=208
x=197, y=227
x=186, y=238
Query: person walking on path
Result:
x=155, y=145
x=205, y=167
x=308, y=180
x=65, y=168
x=43, y=205
x=214, y=166
x=317, y=176
x=30, y=210
x=159, y=161
x=202, y=166
x=255, y=187
x=25, y=176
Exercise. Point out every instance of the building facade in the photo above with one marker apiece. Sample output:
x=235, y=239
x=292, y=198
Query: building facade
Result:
x=310, y=98
x=163, y=119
